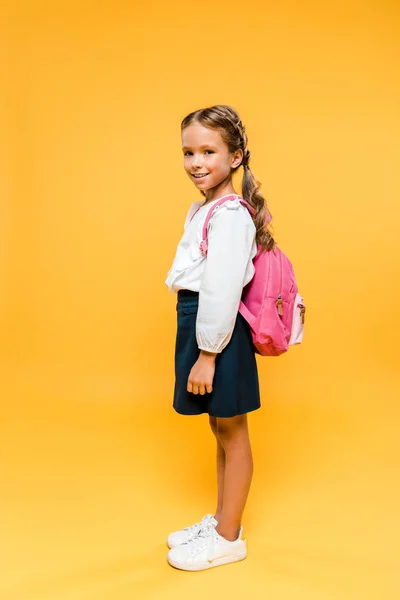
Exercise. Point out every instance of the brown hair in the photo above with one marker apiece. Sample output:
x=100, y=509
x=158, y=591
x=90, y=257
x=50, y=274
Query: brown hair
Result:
x=227, y=121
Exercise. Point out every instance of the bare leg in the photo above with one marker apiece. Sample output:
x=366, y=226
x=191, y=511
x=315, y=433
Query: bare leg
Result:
x=233, y=435
x=220, y=468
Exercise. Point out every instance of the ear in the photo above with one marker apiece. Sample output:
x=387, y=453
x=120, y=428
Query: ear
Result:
x=237, y=158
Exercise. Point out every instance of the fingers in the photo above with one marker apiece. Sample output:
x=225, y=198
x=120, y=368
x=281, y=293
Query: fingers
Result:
x=199, y=388
x=193, y=387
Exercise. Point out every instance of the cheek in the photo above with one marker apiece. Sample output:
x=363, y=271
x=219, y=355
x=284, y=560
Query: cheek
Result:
x=214, y=163
x=217, y=164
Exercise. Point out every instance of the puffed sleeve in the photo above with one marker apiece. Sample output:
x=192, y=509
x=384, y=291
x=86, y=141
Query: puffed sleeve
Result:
x=230, y=240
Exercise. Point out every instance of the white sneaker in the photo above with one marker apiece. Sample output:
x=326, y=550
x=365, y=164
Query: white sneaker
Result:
x=207, y=549
x=183, y=535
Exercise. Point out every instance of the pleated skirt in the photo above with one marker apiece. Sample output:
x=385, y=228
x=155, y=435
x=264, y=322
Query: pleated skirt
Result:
x=235, y=386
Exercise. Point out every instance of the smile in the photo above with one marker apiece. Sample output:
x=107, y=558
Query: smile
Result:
x=199, y=176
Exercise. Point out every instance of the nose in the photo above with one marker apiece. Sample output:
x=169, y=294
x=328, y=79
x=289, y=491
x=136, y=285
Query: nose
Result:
x=197, y=161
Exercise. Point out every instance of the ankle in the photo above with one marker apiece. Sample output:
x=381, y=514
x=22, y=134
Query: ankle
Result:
x=217, y=515
x=229, y=533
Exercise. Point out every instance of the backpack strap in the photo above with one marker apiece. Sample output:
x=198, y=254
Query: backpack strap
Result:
x=204, y=245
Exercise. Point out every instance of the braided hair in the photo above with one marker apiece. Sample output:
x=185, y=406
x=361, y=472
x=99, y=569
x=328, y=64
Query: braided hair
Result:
x=226, y=120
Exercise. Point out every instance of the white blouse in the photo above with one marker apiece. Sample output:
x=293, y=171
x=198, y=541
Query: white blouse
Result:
x=220, y=276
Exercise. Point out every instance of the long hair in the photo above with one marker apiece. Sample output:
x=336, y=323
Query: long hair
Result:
x=226, y=120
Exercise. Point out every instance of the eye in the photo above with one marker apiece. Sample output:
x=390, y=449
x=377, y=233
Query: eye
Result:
x=187, y=152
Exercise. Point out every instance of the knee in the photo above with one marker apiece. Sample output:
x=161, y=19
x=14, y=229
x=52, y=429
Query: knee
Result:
x=213, y=425
x=225, y=434
x=229, y=430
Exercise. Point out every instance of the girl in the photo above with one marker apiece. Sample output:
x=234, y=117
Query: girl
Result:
x=215, y=364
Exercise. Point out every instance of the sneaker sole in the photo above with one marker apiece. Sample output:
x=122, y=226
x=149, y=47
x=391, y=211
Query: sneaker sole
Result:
x=210, y=564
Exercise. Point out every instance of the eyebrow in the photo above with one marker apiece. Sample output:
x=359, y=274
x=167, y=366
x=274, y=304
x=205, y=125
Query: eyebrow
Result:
x=201, y=147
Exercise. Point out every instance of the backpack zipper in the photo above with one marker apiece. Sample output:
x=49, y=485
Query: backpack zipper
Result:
x=279, y=304
x=302, y=312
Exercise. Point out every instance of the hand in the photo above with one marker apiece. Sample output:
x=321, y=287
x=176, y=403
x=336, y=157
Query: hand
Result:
x=202, y=374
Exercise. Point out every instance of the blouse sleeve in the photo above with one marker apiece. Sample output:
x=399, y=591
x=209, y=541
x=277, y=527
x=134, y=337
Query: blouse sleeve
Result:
x=230, y=240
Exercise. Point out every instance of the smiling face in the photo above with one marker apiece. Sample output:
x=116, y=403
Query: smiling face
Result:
x=207, y=160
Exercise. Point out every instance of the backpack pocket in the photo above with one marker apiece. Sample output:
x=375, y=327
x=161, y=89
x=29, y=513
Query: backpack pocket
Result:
x=297, y=331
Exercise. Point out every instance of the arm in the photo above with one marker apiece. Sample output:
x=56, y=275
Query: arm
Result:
x=230, y=242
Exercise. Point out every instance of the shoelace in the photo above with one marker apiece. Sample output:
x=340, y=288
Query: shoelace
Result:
x=197, y=527
x=209, y=536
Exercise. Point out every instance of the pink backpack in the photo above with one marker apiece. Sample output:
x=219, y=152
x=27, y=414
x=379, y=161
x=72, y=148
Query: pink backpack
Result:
x=270, y=302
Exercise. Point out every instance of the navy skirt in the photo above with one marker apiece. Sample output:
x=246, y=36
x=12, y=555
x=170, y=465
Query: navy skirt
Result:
x=235, y=386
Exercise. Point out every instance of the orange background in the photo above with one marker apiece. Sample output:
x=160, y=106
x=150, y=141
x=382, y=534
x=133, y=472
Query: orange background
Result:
x=97, y=468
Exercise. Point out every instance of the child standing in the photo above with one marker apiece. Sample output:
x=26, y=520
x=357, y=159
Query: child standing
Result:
x=215, y=363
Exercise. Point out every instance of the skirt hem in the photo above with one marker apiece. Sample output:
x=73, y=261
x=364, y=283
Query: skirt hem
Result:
x=205, y=412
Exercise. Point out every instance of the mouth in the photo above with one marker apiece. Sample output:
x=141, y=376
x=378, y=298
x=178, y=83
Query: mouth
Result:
x=199, y=175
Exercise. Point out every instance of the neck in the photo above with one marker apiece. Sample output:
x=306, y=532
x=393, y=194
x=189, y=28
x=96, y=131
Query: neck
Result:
x=219, y=193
